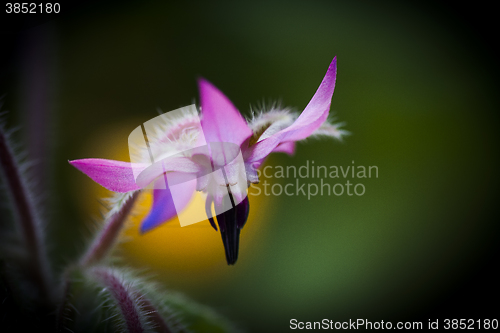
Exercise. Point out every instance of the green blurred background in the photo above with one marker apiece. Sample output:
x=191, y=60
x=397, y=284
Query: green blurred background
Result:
x=416, y=85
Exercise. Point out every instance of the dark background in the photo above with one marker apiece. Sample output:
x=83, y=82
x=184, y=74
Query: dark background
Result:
x=417, y=86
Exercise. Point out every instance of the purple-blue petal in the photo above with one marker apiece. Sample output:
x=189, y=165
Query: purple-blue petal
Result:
x=163, y=210
x=165, y=207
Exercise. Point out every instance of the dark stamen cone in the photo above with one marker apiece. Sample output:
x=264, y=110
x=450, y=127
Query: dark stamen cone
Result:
x=208, y=207
x=243, y=210
x=230, y=223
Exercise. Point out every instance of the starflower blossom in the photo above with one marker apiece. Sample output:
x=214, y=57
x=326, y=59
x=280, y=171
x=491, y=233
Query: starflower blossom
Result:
x=218, y=155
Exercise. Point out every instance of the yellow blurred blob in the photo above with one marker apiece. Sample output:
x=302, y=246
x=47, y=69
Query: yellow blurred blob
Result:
x=169, y=248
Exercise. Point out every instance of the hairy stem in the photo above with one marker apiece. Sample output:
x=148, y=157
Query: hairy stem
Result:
x=27, y=217
x=154, y=316
x=108, y=236
x=123, y=296
x=63, y=308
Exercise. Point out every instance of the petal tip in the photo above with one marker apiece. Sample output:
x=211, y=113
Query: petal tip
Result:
x=76, y=163
x=148, y=224
x=202, y=82
x=143, y=229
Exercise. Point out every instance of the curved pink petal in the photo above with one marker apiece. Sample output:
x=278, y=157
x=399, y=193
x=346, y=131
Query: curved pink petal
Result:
x=221, y=121
x=317, y=110
x=165, y=206
x=309, y=120
x=285, y=147
x=169, y=164
x=116, y=176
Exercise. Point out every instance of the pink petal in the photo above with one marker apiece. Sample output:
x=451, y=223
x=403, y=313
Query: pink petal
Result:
x=165, y=206
x=116, y=176
x=309, y=120
x=221, y=121
x=285, y=147
x=317, y=110
x=169, y=164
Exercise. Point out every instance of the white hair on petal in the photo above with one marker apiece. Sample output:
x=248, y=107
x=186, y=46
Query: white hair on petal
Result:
x=172, y=133
x=266, y=123
x=330, y=129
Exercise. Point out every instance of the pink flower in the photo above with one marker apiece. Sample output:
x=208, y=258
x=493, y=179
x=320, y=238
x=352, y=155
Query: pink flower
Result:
x=217, y=155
